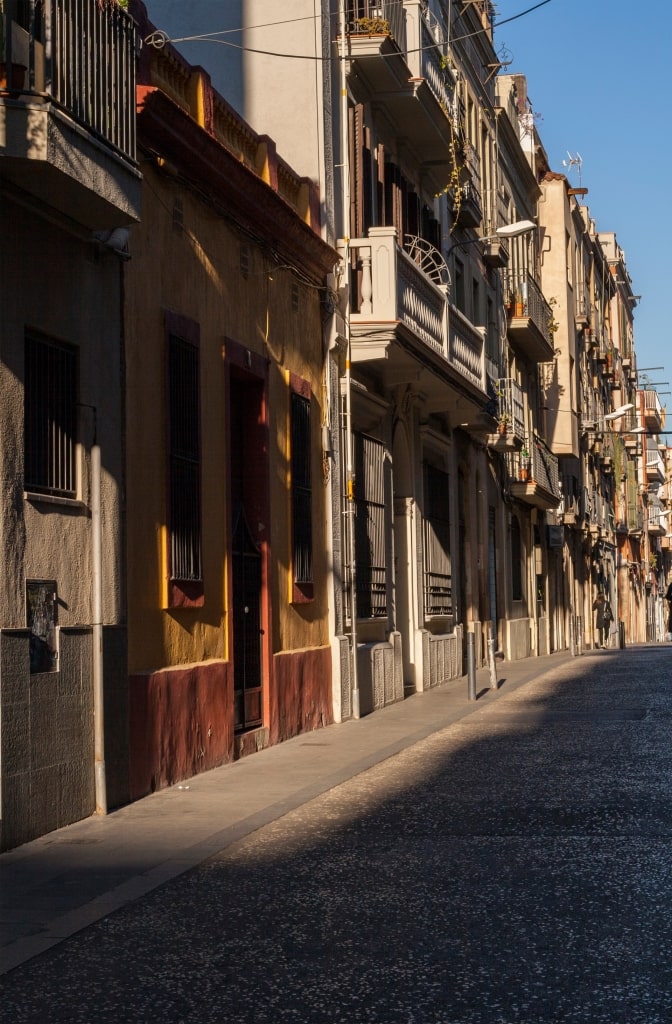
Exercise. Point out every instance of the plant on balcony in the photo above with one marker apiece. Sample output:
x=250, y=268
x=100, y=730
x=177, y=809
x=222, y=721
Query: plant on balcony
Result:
x=503, y=422
x=518, y=303
x=553, y=324
x=524, y=466
x=372, y=26
x=610, y=359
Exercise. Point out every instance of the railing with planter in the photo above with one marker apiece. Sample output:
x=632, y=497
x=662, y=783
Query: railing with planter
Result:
x=536, y=464
x=372, y=16
x=511, y=404
x=527, y=300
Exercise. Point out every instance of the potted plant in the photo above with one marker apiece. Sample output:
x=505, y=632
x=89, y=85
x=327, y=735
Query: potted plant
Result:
x=503, y=423
x=373, y=26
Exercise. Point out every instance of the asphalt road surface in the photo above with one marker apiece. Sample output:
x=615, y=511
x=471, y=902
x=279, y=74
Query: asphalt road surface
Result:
x=513, y=867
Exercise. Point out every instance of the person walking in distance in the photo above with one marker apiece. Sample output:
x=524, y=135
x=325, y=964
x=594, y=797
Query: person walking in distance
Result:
x=603, y=618
x=668, y=598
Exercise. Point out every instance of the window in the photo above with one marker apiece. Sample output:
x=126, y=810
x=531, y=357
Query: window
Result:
x=370, y=538
x=302, y=494
x=436, y=546
x=184, y=479
x=50, y=408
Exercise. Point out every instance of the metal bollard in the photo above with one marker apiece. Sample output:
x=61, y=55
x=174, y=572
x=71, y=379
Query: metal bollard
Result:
x=491, y=659
x=471, y=665
x=621, y=635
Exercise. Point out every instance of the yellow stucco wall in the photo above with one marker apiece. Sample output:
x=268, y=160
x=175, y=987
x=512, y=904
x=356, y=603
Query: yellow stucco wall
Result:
x=195, y=272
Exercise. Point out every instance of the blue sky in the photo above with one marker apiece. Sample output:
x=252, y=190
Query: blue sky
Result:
x=598, y=78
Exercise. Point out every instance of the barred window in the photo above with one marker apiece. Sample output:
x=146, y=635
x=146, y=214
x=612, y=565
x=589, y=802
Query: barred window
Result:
x=184, y=445
x=370, y=539
x=436, y=543
x=302, y=495
x=50, y=417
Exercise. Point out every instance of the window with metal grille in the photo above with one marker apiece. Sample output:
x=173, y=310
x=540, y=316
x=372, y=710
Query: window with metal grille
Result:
x=302, y=494
x=184, y=460
x=436, y=543
x=50, y=417
x=370, y=539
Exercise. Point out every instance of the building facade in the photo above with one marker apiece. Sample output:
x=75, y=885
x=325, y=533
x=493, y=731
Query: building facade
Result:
x=69, y=185
x=227, y=463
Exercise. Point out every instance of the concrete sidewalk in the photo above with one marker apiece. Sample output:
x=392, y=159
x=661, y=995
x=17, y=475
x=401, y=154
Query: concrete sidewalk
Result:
x=64, y=881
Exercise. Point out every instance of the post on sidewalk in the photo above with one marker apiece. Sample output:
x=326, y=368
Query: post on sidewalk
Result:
x=471, y=665
x=492, y=665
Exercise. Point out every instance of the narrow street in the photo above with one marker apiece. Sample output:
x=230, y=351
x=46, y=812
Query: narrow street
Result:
x=514, y=866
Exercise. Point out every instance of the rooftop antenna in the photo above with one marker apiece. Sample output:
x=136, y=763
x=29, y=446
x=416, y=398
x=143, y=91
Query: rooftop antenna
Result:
x=574, y=161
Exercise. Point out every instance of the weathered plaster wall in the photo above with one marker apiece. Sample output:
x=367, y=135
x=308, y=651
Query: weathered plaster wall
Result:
x=181, y=724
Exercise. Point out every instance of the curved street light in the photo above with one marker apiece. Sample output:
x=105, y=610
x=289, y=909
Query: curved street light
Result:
x=519, y=227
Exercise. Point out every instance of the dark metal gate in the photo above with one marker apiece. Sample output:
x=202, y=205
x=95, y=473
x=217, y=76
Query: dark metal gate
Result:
x=247, y=630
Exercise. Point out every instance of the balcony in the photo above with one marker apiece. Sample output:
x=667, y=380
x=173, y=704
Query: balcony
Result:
x=394, y=61
x=652, y=412
x=465, y=203
x=67, y=130
x=400, y=312
x=511, y=411
x=635, y=518
x=534, y=477
x=658, y=519
x=530, y=316
x=569, y=509
x=655, y=466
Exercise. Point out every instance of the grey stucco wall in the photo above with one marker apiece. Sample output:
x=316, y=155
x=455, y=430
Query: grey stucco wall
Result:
x=47, y=737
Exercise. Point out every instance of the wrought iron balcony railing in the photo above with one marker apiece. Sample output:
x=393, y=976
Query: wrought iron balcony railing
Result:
x=80, y=56
x=527, y=300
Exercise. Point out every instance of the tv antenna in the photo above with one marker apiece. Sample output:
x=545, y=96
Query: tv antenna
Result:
x=574, y=161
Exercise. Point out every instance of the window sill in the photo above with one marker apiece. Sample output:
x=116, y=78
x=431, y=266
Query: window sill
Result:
x=303, y=593
x=186, y=594
x=35, y=497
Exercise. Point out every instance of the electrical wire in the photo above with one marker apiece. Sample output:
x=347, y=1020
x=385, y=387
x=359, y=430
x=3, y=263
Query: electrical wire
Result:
x=158, y=39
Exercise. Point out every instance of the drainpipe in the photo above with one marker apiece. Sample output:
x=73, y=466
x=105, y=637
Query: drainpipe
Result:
x=349, y=442
x=97, y=625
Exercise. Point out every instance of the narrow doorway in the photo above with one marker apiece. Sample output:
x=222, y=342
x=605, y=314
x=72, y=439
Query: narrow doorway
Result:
x=248, y=489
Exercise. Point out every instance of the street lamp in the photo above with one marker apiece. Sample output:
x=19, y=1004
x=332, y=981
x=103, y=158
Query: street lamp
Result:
x=617, y=413
x=519, y=227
